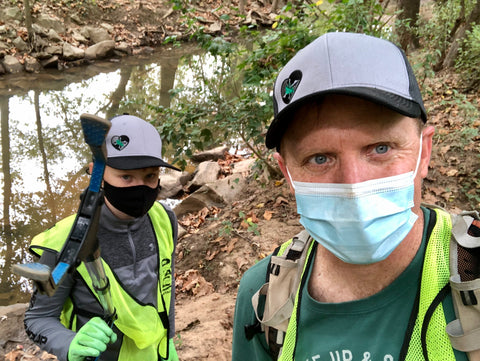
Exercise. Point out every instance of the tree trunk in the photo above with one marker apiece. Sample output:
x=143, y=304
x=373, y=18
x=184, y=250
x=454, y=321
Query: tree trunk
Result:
x=407, y=29
x=459, y=36
x=119, y=93
x=275, y=4
x=241, y=6
x=28, y=20
x=167, y=80
x=43, y=154
x=6, y=234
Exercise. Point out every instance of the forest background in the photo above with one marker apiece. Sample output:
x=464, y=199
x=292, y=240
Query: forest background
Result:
x=440, y=37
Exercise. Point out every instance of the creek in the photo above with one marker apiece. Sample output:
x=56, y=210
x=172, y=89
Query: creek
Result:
x=44, y=157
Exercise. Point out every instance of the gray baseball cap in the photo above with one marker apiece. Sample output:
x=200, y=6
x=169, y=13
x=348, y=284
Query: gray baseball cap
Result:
x=345, y=63
x=133, y=143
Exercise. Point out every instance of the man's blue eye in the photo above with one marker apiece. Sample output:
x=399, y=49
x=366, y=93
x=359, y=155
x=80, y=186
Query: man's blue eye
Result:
x=320, y=159
x=381, y=149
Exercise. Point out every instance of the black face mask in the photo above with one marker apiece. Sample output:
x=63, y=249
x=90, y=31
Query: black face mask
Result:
x=134, y=201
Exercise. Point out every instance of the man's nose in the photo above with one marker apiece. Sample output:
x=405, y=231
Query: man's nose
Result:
x=351, y=170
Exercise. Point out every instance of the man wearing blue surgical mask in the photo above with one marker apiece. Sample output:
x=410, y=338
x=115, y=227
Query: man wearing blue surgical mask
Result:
x=371, y=279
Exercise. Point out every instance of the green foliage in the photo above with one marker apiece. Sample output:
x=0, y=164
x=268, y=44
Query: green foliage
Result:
x=423, y=63
x=360, y=16
x=468, y=112
x=435, y=32
x=177, y=341
x=461, y=138
x=471, y=185
x=227, y=228
x=221, y=108
x=181, y=5
x=467, y=62
x=252, y=226
x=229, y=100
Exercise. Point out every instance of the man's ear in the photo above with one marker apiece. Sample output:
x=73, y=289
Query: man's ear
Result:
x=281, y=164
x=427, y=140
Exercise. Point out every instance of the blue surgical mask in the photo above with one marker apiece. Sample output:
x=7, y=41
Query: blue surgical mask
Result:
x=359, y=223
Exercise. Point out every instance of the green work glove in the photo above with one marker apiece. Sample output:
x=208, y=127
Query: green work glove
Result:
x=172, y=351
x=91, y=340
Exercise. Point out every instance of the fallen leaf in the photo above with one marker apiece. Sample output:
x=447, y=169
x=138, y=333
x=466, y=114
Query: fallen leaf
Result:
x=179, y=256
x=445, y=149
x=230, y=246
x=211, y=255
x=268, y=215
x=280, y=200
x=436, y=190
x=217, y=240
x=452, y=172
x=262, y=255
x=12, y=355
x=241, y=262
x=443, y=170
x=195, y=283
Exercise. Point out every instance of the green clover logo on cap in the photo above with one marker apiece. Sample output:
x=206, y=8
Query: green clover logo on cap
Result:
x=290, y=85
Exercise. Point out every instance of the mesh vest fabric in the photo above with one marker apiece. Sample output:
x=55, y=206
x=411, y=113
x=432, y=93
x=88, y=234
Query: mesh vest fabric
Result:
x=435, y=275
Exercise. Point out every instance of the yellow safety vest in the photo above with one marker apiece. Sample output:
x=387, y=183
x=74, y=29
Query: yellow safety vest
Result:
x=145, y=336
x=435, y=275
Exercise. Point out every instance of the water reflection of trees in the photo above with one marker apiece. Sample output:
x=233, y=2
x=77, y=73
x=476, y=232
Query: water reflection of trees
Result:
x=26, y=212
x=41, y=148
x=6, y=246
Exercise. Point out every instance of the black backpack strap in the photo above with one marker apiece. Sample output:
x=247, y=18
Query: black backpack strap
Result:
x=414, y=312
x=428, y=316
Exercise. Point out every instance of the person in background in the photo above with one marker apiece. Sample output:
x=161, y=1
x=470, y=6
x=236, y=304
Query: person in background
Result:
x=137, y=237
x=351, y=138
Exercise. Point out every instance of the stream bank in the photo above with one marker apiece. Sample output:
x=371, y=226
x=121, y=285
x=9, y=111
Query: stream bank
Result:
x=66, y=34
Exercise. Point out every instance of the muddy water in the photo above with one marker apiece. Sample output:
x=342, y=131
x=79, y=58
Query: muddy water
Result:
x=44, y=156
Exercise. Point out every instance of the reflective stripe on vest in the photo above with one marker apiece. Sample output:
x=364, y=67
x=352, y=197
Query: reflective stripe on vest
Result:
x=141, y=324
x=435, y=275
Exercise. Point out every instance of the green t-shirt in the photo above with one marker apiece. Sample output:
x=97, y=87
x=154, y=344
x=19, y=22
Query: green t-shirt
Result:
x=370, y=329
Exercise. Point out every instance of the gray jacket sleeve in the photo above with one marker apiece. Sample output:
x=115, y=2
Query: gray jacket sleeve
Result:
x=42, y=321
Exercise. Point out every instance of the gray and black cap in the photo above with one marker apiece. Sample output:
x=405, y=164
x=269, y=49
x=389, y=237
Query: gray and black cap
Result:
x=350, y=64
x=133, y=143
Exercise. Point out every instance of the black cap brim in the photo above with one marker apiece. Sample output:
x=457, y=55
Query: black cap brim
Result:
x=394, y=102
x=133, y=162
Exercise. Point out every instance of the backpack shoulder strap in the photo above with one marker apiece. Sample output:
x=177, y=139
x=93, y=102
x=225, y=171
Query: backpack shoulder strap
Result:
x=277, y=295
x=464, y=332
